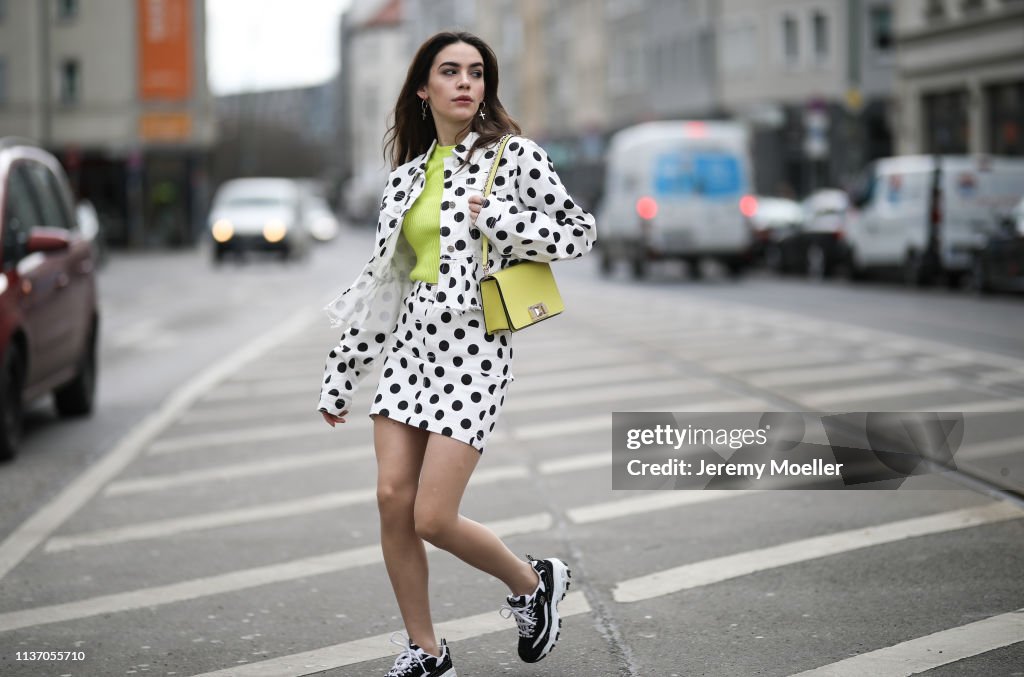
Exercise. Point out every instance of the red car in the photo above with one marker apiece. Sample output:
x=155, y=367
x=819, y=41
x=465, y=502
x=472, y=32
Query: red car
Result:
x=48, y=314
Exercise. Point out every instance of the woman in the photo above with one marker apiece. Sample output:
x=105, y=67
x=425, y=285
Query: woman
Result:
x=444, y=379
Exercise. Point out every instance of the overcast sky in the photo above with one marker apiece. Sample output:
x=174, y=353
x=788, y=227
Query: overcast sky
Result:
x=271, y=44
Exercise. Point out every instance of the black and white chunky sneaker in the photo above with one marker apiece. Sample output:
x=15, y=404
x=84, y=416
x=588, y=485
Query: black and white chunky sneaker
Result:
x=415, y=662
x=537, y=614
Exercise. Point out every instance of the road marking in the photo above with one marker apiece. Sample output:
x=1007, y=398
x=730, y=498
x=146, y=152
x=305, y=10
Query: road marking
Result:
x=563, y=428
x=241, y=436
x=551, y=380
x=270, y=511
x=640, y=390
x=822, y=399
x=45, y=521
x=556, y=380
x=658, y=500
x=320, y=564
x=601, y=459
x=821, y=374
x=720, y=569
x=291, y=461
x=244, y=391
x=1005, y=445
x=728, y=405
x=373, y=648
x=982, y=406
x=236, y=580
x=294, y=461
x=931, y=651
x=758, y=363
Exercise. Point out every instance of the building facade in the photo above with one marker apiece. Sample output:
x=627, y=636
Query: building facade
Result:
x=375, y=58
x=814, y=79
x=117, y=90
x=961, y=76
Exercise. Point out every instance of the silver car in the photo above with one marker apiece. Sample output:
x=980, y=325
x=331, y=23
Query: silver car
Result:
x=260, y=214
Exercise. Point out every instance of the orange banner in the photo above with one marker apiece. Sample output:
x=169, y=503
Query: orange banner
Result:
x=165, y=126
x=165, y=50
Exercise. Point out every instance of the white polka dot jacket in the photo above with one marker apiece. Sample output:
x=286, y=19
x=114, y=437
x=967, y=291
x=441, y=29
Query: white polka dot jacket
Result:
x=529, y=215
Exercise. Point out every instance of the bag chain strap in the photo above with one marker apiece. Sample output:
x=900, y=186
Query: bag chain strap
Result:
x=487, y=191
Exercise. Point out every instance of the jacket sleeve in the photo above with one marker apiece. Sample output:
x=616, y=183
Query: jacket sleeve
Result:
x=362, y=343
x=551, y=227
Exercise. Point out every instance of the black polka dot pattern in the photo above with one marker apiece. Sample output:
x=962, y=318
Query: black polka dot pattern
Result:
x=448, y=376
x=529, y=215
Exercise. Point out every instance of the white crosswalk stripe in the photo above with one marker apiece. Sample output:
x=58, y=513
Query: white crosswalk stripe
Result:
x=932, y=651
x=720, y=569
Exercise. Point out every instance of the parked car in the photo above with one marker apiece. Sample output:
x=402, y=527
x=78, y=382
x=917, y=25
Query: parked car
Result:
x=821, y=242
x=999, y=264
x=320, y=219
x=49, y=320
x=772, y=222
x=259, y=214
x=673, y=191
x=927, y=215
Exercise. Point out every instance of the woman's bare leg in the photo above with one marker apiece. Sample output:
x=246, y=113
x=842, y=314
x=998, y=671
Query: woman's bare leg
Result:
x=447, y=467
x=400, y=450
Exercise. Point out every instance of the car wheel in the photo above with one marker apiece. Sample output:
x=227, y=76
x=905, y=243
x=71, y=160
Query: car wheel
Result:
x=979, y=281
x=76, y=397
x=607, y=264
x=735, y=268
x=639, y=266
x=773, y=258
x=914, y=270
x=11, y=379
x=816, y=264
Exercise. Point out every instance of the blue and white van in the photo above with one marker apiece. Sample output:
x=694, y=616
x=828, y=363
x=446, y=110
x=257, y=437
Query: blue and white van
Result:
x=675, y=190
x=927, y=215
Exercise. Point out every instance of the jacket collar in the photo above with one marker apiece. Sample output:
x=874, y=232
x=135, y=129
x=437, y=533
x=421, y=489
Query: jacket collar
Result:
x=461, y=149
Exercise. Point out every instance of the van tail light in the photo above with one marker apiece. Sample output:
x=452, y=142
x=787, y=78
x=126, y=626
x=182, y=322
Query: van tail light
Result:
x=748, y=206
x=647, y=208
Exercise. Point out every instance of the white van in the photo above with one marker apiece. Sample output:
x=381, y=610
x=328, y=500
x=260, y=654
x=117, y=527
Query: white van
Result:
x=895, y=213
x=674, y=190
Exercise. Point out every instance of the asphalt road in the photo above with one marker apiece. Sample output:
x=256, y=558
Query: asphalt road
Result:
x=205, y=521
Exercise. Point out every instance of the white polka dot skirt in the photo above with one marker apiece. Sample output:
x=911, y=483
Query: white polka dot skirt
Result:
x=442, y=372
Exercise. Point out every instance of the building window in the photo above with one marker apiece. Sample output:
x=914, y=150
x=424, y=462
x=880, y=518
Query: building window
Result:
x=820, y=23
x=739, y=48
x=935, y=10
x=881, y=28
x=3, y=10
x=945, y=122
x=3, y=81
x=70, y=81
x=67, y=10
x=972, y=6
x=790, y=39
x=1006, y=118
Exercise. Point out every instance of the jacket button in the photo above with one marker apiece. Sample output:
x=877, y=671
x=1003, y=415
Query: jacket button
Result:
x=451, y=249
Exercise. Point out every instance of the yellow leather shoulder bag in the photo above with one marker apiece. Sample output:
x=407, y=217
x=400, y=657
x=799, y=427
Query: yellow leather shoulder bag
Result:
x=521, y=295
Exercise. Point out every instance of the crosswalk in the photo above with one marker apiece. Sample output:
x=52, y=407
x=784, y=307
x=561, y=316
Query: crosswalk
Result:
x=239, y=428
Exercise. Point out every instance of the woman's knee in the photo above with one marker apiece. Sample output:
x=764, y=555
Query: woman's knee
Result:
x=434, y=525
x=395, y=500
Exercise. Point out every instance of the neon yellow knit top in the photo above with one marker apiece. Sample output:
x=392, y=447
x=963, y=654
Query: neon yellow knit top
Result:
x=422, y=224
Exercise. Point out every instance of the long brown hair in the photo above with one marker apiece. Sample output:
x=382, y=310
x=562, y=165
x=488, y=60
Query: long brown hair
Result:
x=411, y=135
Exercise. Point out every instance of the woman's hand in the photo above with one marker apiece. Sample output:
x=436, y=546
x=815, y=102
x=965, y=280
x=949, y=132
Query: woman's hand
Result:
x=476, y=201
x=333, y=420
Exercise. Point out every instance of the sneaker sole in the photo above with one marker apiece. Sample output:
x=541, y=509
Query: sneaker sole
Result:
x=560, y=575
